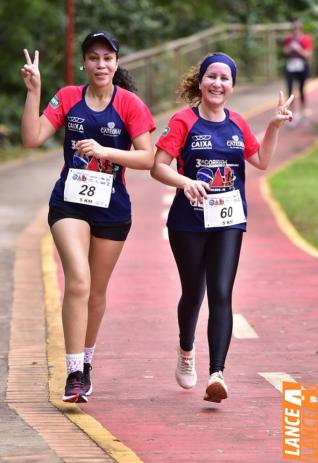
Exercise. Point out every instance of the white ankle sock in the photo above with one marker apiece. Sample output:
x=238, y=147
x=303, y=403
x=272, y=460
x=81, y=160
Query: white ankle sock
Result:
x=88, y=354
x=74, y=362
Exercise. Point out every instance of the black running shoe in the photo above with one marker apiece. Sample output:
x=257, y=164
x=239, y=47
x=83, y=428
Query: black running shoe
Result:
x=88, y=387
x=74, y=389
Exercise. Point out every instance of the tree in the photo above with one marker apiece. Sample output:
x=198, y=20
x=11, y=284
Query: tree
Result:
x=138, y=24
x=37, y=25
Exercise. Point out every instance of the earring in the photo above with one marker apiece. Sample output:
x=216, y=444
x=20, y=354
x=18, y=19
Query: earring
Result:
x=82, y=68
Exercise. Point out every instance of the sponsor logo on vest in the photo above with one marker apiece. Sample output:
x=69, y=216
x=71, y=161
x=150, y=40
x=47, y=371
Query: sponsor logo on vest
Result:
x=79, y=120
x=110, y=130
x=210, y=163
x=75, y=124
x=54, y=102
x=235, y=143
x=201, y=142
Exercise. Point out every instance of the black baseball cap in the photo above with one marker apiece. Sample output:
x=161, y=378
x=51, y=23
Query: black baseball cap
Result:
x=100, y=35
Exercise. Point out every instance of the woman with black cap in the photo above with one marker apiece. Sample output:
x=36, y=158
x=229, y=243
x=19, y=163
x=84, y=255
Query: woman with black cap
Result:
x=208, y=215
x=89, y=209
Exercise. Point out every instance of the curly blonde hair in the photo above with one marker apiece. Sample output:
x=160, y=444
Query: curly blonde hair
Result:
x=188, y=89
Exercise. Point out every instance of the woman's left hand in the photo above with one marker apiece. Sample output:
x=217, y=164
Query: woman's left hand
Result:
x=90, y=147
x=283, y=113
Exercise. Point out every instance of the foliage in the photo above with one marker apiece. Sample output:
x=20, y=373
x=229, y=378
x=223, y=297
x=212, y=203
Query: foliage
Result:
x=37, y=24
x=138, y=24
x=257, y=11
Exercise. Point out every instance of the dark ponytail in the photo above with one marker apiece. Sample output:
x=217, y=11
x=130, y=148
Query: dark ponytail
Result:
x=123, y=79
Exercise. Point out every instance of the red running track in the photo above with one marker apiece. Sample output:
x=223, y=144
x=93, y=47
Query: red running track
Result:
x=135, y=394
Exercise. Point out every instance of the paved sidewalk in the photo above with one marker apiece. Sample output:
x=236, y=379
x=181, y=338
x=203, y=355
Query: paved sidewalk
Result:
x=135, y=395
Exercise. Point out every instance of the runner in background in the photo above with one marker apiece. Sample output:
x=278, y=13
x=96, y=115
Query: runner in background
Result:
x=210, y=144
x=298, y=49
x=89, y=209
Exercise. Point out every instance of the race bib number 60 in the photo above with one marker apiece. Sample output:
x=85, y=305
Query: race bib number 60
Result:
x=223, y=209
x=88, y=187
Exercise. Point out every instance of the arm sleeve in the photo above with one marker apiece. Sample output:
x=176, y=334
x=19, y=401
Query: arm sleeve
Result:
x=306, y=42
x=61, y=103
x=55, y=110
x=173, y=137
x=138, y=118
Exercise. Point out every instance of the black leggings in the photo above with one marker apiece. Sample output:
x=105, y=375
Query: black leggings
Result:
x=301, y=78
x=207, y=260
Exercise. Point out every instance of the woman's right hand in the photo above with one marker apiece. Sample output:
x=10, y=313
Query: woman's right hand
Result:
x=30, y=71
x=195, y=190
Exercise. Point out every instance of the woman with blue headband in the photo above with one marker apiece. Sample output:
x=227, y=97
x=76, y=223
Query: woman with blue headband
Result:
x=208, y=216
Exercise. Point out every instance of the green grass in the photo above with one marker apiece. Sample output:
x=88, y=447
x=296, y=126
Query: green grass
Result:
x=296, y=189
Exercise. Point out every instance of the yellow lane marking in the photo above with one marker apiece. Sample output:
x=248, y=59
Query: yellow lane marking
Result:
x=55, y=353
x=281, y=218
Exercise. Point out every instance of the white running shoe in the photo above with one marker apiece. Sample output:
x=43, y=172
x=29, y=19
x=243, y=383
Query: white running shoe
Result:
x=186, y=375
x=216, y=388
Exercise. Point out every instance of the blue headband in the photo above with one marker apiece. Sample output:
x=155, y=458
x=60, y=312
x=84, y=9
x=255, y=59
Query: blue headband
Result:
x=218, y=58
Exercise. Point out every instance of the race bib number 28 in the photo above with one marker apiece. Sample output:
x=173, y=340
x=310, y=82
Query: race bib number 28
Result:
x=223, y=209
x=88, y=187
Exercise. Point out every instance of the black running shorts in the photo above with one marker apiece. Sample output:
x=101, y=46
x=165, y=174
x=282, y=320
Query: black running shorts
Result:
x=107, y=230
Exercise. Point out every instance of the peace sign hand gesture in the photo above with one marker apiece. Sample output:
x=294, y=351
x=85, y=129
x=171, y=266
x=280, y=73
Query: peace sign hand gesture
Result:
x=30, y=71
x=283, y=113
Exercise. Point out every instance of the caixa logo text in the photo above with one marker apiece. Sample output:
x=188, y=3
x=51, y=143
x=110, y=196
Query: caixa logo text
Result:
x=75, y=124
